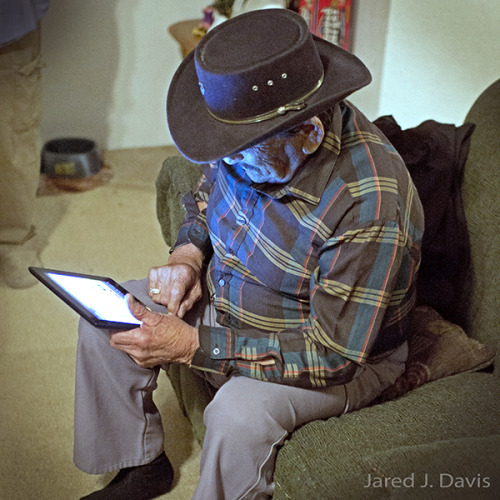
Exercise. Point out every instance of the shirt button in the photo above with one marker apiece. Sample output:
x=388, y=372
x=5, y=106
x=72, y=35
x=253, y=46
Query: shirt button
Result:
x=216, y=351
x=241, y=219
x=222, y=282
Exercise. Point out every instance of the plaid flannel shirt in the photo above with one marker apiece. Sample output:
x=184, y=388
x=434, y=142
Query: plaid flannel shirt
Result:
x=312, y=278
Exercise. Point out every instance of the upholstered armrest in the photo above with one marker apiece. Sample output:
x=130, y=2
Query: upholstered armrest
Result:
x=177, y=177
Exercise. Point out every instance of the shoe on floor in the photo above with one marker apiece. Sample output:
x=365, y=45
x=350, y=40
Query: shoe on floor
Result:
x=14, y=263
x=138, y=483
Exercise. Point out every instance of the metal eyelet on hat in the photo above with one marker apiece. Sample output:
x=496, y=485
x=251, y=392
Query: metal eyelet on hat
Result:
x=270, y=83
x=295, y=105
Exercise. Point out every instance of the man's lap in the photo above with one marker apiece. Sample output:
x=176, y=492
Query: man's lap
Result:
x=359, y=392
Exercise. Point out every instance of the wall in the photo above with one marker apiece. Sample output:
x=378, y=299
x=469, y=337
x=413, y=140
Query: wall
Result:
x=439, y=56
x=370, y=26
x=109, y=63
x=108, y=67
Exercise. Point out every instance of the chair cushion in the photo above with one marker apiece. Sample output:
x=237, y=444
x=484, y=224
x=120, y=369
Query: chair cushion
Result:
x=177, y=177
x=449, y=426
x=437, y=349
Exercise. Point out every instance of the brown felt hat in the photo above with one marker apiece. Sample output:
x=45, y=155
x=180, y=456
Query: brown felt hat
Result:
x=253, y=76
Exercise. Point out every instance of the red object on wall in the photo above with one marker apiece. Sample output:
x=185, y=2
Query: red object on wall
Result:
x=328, y=19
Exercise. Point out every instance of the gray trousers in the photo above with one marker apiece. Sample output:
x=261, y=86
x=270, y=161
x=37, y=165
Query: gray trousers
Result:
x=117, y=424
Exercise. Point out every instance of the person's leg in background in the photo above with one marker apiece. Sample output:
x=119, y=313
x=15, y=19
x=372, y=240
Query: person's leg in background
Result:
x=20, y=112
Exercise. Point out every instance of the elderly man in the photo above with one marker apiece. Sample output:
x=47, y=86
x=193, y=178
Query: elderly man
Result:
x=291, y=282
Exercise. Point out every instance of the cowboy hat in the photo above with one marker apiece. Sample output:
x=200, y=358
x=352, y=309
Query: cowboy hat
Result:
x=251, y=77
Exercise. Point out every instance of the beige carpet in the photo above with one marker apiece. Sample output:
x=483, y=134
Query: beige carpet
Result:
x=110, y=230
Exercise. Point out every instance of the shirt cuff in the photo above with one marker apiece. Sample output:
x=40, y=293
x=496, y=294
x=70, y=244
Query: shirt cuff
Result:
x=216, y=350
x=182, y=238
x=195, y=232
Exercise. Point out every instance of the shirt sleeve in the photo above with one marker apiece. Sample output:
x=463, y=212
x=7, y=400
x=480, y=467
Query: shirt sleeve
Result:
x=358, y=280
x=194, y=226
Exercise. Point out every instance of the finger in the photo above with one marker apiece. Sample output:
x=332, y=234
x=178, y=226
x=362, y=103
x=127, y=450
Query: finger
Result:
x=177, y=294
x=155, y=292
x=141, y=312
x=184, y=308
x=187, y=304
x=121, y=342
x=124, y=340
x=189, y=300
x=153, y=276
x=136, y=308
x=154, y=285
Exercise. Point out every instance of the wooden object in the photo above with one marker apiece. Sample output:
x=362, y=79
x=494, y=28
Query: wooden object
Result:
x=183, y=33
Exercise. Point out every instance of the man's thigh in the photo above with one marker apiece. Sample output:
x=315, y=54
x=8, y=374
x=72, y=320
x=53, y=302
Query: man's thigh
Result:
x=287, y=406
x=295, y=406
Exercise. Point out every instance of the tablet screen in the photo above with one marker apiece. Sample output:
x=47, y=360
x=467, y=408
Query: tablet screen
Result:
x=100, y=297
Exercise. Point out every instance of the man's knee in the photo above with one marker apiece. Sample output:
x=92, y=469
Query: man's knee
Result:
x=242, y=408
x=87, y=333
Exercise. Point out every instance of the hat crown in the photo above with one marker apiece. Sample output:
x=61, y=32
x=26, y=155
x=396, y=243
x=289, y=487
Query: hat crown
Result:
x=267, y=63
x=251, y=77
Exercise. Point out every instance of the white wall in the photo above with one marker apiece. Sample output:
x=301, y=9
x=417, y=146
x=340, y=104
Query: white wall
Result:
x=440, y=55
x=108, y=67
x=370, y=26
x=109, y=63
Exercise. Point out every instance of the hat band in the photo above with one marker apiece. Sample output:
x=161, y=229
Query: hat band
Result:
x=295, y=105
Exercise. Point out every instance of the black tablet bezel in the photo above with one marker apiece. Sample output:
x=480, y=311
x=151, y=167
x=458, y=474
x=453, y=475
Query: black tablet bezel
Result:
x=42, y=275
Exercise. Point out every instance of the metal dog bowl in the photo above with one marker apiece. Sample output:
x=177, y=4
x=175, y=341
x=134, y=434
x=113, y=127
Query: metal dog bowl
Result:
x=70, y=158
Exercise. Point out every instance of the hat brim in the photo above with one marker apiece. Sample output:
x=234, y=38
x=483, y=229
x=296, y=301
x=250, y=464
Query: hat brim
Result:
x=202, y=138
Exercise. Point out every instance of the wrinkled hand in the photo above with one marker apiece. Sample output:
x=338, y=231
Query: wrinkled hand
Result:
x=162, y=338
x=179, y=282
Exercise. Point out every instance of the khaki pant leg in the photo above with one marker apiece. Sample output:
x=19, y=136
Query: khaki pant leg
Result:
x=20, y=112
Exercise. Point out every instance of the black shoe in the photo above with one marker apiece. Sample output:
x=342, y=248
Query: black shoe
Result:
x=138, y=483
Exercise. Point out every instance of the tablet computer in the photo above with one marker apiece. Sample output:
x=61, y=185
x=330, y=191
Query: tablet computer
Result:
x=100, y=300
